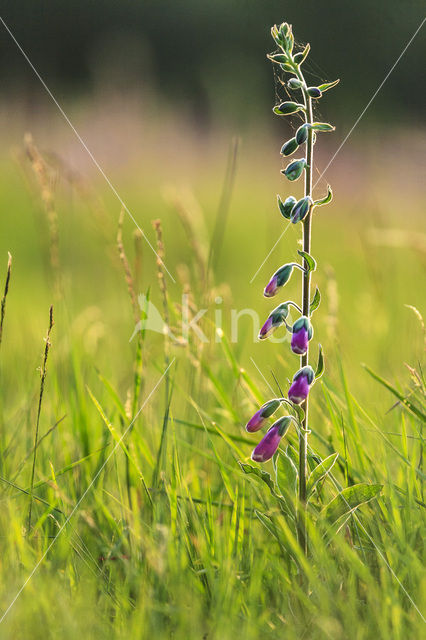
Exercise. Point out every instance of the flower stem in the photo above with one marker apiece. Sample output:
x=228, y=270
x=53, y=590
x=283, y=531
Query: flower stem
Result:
x=306, y=294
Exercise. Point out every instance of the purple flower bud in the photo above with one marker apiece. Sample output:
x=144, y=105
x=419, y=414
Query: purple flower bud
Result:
x=274, y=320
x=302, y=333
x=271, y=441
x=314, y=92
x=280, y=278
x=267, y=329
x=302, y=381
x=260, y=417
x=272, y=287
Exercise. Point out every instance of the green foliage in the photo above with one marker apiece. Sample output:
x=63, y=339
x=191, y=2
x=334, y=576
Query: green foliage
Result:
x=350, y=499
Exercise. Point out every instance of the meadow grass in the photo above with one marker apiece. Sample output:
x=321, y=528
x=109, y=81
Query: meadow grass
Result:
x=171, y=541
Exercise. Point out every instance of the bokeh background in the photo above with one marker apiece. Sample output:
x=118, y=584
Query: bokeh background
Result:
x=174, y=98
x=174, y=101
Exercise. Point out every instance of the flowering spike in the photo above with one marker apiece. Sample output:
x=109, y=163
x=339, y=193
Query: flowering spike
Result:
x=260, y=417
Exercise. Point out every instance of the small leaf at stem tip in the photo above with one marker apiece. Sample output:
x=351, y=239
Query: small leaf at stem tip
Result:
x=328, y=85
x=322, y=126
x=301, y=56
x=288, y=67
x=312, y=265
x=320, y=365
x=288, y=108
x=316, y=300
x=328, y=198
x=279, y=58
x=289, y=147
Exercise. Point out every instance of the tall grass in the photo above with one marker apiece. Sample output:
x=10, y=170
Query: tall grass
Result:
x=172, y=541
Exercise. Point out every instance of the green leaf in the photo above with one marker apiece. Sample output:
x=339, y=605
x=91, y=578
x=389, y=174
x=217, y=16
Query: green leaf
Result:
x=328, y=198
x=312, y=265
x=328, y=85
x=404, y=401
x=279, y=58
x=350, y=499
x=264, y=476
x=301, y=56
x=286, y=473
x=320, y=472
x=322, y=126
x=316, y=301
x=320, y=364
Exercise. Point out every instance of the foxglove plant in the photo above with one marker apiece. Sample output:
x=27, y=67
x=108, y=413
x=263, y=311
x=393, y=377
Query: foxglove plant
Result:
x=297, y=211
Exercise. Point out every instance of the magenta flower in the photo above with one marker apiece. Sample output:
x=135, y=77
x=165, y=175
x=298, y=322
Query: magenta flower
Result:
x=260, y=417
x=301, y=384
x=275, y=319
x=302, y=333
x=279, y=279
x=272, y=287
x=271, y=441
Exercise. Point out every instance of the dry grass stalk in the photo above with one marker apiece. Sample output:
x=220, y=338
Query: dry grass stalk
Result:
x=43, y=175
x=191, y=217
x=126, y=266
x=6, y=289
x=40, y=399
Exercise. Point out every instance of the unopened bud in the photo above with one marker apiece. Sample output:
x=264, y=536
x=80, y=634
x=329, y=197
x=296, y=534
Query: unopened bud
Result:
x=289, y=147
x=295, y=169
x=286, y=206
x=314, y=92
x=301, y=209
x=287, y=108
x=302, y=134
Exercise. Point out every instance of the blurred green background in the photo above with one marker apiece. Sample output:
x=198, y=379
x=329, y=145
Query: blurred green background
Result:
x=174, y=100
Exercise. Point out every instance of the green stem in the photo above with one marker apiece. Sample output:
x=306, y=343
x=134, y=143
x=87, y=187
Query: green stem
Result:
x=306, y=294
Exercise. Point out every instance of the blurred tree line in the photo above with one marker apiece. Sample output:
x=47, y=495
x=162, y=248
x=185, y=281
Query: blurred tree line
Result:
x=209, y=56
